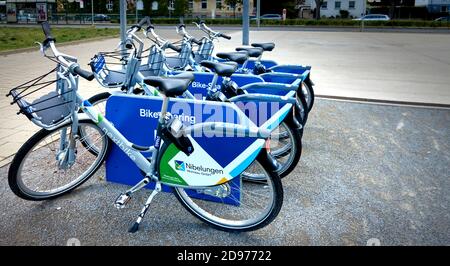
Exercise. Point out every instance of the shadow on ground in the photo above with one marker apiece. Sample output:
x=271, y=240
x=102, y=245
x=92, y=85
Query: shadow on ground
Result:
x=367, y=171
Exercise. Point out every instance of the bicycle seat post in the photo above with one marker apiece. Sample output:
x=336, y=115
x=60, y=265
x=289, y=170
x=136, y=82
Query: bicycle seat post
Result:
x=164, y=108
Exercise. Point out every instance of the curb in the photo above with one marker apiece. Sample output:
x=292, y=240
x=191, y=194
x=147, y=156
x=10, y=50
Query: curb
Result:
x=384, y=102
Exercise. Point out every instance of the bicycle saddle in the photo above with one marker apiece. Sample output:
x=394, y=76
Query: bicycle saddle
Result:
x=184, y=75
x=170, y=87
x=238, y=57
x=266, y=46
x=252, y=51
x=222, y=69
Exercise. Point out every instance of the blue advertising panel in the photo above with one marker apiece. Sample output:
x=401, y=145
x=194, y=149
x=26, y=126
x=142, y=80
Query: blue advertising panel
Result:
x=202, y=82
x=216, y=159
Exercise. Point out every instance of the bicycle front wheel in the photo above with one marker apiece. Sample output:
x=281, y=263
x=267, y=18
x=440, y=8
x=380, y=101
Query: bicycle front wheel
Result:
x=47, y=166
x=241, y=204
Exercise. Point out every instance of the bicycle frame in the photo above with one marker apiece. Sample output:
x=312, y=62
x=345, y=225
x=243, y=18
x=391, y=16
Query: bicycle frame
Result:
x=134, y=152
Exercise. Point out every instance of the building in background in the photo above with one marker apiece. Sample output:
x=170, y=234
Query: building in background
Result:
x=218, y=8
x=336, y=8
x=434, y=6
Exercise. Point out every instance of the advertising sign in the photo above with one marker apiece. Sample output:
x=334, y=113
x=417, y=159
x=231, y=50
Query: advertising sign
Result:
x=41, y=11
x=11, y=12
x=136, y=117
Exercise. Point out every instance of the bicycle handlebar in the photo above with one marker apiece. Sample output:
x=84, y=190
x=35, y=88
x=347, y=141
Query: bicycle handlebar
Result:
x=182, y=28
x=73, y=67
x=145, y=20
x=88, y=75
x=173, y=47
x=47, y=32
x=214, y=34
x=198, y=42
x=224, y=36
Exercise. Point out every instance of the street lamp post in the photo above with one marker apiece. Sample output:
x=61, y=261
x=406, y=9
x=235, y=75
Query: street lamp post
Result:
x=92, y=12
x=123, y=21
x=245, y=23
x=258, y=12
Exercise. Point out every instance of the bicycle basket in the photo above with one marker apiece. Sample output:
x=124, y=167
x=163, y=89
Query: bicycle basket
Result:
x=204, y=51
x=42, y=103
x=179, y=60
x=155, y=63
x=108, y=68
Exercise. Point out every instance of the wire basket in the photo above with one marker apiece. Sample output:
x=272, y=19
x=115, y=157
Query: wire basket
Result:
x=179, y=60
x=204, y=51
x=109, y=68
x=46, y=100
x=155, y=63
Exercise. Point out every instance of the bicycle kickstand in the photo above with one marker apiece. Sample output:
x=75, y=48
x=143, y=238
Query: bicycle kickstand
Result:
x=135, y=226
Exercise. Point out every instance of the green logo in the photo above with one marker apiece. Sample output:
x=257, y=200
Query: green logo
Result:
x=179, y=165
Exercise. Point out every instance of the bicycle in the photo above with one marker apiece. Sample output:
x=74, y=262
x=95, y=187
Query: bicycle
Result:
x=248, y=58
x=59, y=140
x=286, y=144
x=190, y=59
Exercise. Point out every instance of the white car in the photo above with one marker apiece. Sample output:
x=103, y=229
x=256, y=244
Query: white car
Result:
x=374, y=17
x=269, y=17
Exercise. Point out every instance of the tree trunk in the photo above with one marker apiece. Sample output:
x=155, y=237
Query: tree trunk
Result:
x=318, y=5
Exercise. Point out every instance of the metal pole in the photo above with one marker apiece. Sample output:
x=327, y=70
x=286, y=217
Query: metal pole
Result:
x=258, y=11
x=245, y=23
x=92, y=12
x=123, y=21
x=135, y=5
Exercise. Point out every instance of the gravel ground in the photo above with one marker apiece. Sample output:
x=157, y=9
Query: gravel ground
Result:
x=367, y=171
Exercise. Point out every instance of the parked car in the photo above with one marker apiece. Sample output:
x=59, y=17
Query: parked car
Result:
x=99, y=17
x=443, y=19
x=269, y=17
x=374, y=17
x=27, y=17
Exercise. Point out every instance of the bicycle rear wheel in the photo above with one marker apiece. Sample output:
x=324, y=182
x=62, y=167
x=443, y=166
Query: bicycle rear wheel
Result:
x=257, y=205
x=286, y=148
x=38, y=171
x=309, y=95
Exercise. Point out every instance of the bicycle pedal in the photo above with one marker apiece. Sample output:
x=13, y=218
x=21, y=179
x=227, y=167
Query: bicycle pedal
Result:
x=122, y=200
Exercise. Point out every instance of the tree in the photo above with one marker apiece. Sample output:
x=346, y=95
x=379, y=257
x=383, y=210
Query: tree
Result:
x=318, y=5
x=181, y=6
x=233, y=4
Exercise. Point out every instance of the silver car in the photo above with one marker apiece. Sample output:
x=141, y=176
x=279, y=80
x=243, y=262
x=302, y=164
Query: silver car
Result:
x=374, y=17
x=268, y=17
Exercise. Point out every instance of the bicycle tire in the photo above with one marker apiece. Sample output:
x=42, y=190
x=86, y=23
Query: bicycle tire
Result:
x=267, y=219
x=93, y=101
x=296, y=140
x=310, y=90
x=16, y=163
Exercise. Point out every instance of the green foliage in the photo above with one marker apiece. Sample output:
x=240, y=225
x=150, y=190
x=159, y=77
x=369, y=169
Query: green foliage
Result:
x=181, y=8
x=15, y=38
x=343, y=13
x=307, y=22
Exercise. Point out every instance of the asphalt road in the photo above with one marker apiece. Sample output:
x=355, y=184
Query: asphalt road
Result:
x=388, y=66
x=366, y=172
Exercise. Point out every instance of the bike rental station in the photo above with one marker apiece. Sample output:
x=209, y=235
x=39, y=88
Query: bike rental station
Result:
x=218, y=129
